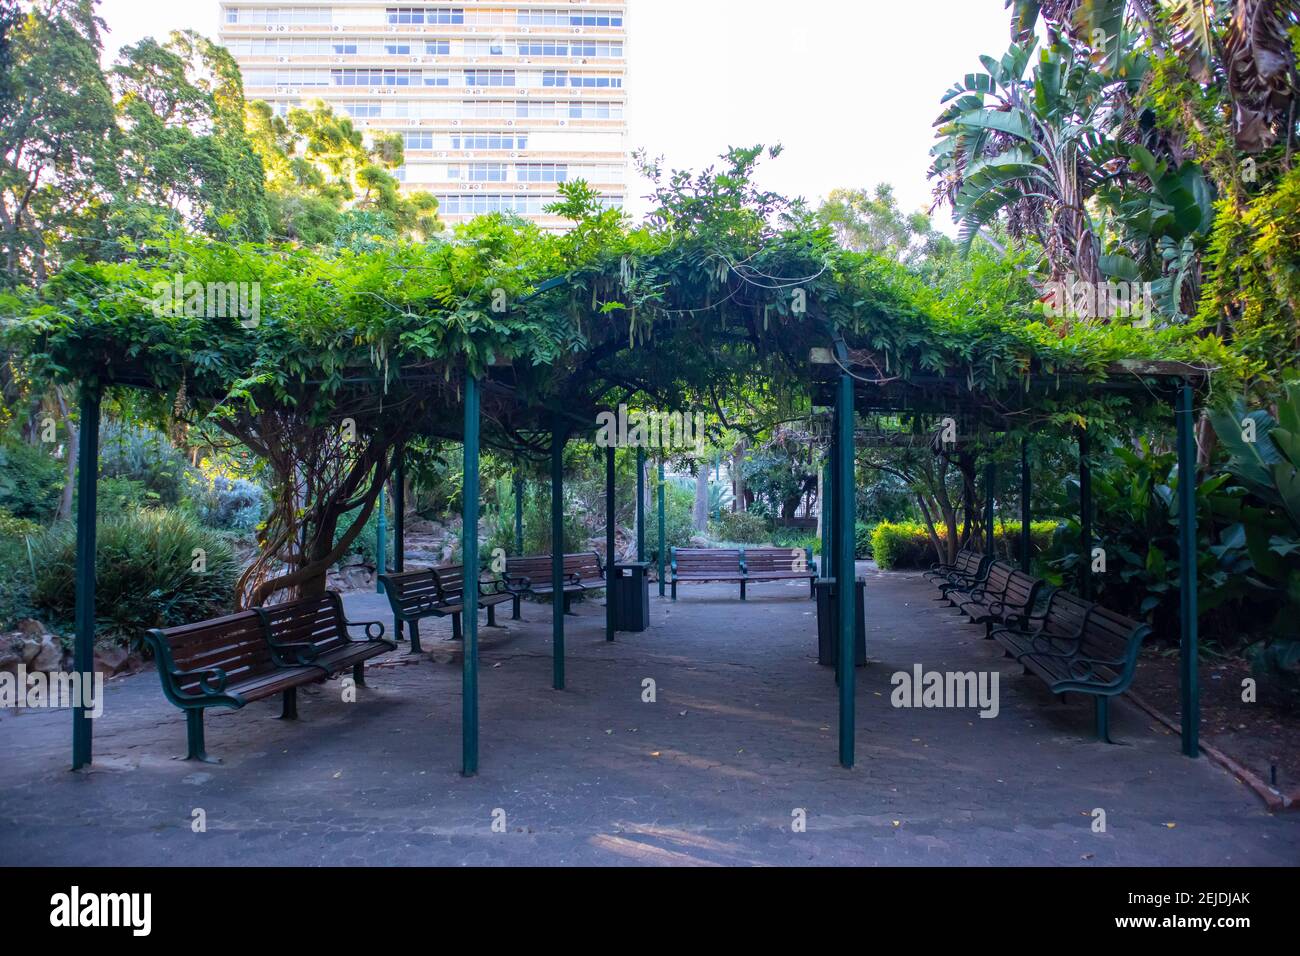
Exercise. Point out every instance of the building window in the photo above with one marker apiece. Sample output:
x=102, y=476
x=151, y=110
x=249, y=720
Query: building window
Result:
x=397, y=49
x=542, y=173
x=403, y=15
x=489, y=77
x=437, y=48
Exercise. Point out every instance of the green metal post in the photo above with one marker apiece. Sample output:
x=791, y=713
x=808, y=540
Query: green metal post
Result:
x=469, y=547
x=519, y=513
x=557, y=554
x=1026, y=512
x=1085, y=517
x=1190, y=698
x=663, y=528
x=640, y=505
x=399, y=512
x=84, y=612
x=381, y=542
x=610, y=543
x=990, y=489
x=826, y=518
x=846, y=584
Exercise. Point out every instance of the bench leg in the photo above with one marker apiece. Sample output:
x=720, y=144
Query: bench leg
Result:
x=568, y=605
x=195, y=748
x=742, y=591
x=455, y=628
x=415, y=638
x=674, y=590
x=397, y=629
x=514, y=615
x=1103, y=718
x=988, y=630
x=290, y=711
x=492, y=615
x=359, y=674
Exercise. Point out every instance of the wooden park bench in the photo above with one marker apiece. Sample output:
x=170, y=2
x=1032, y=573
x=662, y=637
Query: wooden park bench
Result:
x=227, y=662
x=967, y=573
x=533, y=575
x=967, y=565
x=697, y=565
x=314, y=631
x=1005, y=596
x=778, y=564
x=438, y=592
x=1078, y=646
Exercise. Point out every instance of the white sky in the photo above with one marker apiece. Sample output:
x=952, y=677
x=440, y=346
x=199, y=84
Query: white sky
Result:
x=849, y=87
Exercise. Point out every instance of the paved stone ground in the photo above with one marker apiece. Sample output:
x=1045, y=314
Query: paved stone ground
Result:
x=742, y=734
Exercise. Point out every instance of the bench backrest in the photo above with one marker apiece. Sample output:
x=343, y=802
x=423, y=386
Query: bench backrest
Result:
x=767, y=560
x=410, y=591
x=236, y=644
x=968, y=562
x=586, y=565
x=710, y=560
x=1021, y=590
x=999, y=576
x=316, y=621
x=1066, y=614
x=1113, y=640
x=537, y=568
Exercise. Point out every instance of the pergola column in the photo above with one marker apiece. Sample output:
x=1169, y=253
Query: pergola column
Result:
x=845, y=591
x=1085, y=517
x=663, y=526
x=1190, y=692
x=519, y=512
x=399, y=511
x=826, y=517
x=990, y=489
x=84, y=614
x=469, y=548
x=610, y=543
x=557, y=553
x=640, y=505
x=381, y=540
x=1026, y=512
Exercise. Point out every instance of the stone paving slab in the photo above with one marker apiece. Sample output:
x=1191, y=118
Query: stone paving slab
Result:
x=741, y=736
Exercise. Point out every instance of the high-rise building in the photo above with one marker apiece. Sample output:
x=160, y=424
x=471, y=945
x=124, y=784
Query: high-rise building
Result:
x=497, y=101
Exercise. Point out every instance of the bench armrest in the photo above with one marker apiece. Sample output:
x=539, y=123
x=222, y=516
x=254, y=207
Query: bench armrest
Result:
x=376, y=636
x=212, y=681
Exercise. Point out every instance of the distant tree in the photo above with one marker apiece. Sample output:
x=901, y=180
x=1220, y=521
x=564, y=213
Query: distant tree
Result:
x=870, y=221
x=57, y=135
x=319, y=165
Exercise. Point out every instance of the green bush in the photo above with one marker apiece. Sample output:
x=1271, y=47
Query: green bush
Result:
x=906, y=545
x=146, y=459
x=144, y=574
x=15, y=568
x=744, y=527
x=862, y=540
x=31, y=480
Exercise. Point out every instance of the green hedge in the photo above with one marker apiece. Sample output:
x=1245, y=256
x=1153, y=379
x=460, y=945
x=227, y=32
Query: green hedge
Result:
x=906, y=545
x=143, y=573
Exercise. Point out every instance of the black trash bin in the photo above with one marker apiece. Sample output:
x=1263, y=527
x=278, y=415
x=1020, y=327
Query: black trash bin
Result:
x=631, y=596
x=828, y=636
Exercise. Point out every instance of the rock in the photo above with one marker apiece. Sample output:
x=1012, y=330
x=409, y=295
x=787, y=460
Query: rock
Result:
x=32, y=629
x=28, y=649
x=111, y=660
x=50, y=656
x=10, y=657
